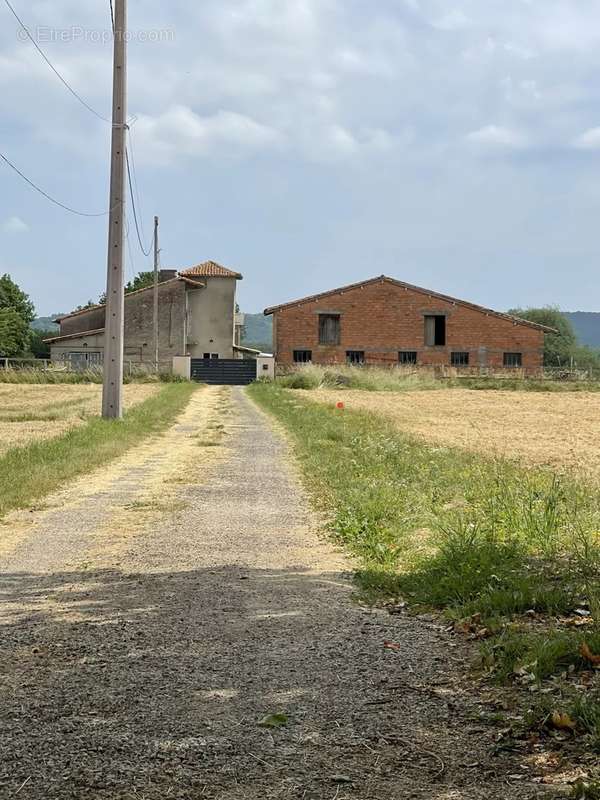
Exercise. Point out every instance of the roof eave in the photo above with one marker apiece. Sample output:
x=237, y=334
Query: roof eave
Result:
x=79, y=335
x=103, y=305
x=384, y=278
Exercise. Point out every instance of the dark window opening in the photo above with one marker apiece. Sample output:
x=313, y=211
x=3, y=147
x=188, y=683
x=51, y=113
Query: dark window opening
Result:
x=355, y=356
x=302, y=356
x=407, y=356
x=329, y=329
x=206, y=356
x=459, y=359
x=435, y=330
x=513, y=359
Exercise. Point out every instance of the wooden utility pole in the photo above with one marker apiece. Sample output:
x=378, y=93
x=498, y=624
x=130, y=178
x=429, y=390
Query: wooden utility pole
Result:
x=112, y=394
x=155, y=320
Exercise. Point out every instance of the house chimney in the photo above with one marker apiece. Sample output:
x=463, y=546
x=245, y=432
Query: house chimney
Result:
x=166, y=275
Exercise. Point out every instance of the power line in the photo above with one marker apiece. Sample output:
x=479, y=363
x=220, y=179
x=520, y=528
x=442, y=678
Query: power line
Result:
x=46, y=195
x=130, y=262
x=135, y=182
x=135, y=216
x=112, y=15
x=52, y=67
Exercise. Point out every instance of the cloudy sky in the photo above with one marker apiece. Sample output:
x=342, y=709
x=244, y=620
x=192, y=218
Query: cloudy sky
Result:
x=454, y=144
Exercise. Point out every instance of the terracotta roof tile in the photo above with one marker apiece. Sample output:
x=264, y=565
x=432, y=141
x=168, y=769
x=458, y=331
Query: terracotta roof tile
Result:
x=210, y=269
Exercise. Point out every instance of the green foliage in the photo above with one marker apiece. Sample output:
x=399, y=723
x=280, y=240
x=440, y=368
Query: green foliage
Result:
x=398, y=379
x=27, y=375
x=441, y=526
x=14, y=333
x=586, y=791
x=141, y=281
x=561, y=349
x=274, y=721
x=89, y=304
x=538, y=655
x=16, y=314
x=38, y=347
x=586, y=712
x=12, y=297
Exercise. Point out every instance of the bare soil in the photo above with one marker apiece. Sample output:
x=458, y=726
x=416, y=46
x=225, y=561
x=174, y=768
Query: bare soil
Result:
x=154, y=613
x=559, y=429
x=31, y=412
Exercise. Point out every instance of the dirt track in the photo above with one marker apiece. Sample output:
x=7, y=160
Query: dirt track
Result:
x=152, y=617
x=560, y=429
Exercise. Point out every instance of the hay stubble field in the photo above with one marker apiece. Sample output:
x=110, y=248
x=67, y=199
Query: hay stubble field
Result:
x=35, y=412
x=561, y=430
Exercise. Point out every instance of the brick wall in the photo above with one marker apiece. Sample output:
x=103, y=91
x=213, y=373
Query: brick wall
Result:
x=383, y=318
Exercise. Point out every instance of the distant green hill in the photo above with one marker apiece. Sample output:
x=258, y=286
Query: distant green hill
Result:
x=259, y=332
x=586, y=325
x=45, y=323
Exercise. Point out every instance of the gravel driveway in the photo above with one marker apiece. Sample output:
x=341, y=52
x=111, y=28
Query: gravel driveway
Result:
x=154, y=613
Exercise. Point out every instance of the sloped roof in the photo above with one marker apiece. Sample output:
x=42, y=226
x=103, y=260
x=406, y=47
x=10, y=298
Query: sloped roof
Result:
x=80, y=335
x=103, y=305
x=411, y=287
x=210, y=269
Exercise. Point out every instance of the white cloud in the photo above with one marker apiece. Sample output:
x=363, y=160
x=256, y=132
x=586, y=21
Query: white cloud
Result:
x=497, y=137
x=454, y=20
x=14, y=225
x=590, y=140
x=180, y=131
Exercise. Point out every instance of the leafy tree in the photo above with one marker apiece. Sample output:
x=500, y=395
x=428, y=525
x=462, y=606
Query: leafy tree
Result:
x=559, y=347
x=141, y=281
x=38, y=347
x=14, y=333
x=89, y=304
x=12, y=297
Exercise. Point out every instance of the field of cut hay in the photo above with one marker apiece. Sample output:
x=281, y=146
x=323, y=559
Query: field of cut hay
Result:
x=32, y=412
x=561, y=430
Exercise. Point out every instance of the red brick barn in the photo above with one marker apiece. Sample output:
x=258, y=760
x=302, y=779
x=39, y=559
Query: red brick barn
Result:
x=384, y=321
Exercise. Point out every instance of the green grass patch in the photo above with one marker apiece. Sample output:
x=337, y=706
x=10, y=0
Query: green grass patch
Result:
x=580, y=705
x=404, y=379
x=57, y=376
x=586, y=791
x=442, y=527
x=533, y=657
x=31, y=472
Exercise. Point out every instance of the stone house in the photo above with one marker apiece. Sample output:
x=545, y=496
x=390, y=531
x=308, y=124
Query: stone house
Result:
x=197, y=317
x=383, y=321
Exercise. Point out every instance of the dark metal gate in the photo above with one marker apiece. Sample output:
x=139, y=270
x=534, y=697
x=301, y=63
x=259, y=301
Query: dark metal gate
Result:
x=224, y=371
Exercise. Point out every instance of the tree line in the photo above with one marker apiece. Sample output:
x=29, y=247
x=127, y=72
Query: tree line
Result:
x=17, y=312
x=17, y=338
x=561, y=349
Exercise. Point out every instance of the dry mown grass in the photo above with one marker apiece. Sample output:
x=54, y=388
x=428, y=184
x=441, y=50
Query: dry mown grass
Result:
x=560, y=430
x=32, y=412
